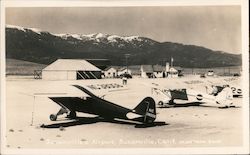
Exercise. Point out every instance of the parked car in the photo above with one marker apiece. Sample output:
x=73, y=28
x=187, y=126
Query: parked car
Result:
x=202, y=76
x=236, y=74
x=210, y=73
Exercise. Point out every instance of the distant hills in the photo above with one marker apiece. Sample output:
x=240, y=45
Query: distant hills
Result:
x=42, y=47
x=20, y=67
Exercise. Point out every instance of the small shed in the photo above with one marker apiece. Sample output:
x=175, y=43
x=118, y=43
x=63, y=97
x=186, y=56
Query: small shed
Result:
x=173, y=72
x=152, y=71
x=124, y=70
x=71, y=69
x=135, y=70
x=111, y=72
x=147, y=71
x=159, y=71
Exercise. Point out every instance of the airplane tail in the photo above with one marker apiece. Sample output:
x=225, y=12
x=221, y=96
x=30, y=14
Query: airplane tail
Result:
x=147, y=109
x=225, y=97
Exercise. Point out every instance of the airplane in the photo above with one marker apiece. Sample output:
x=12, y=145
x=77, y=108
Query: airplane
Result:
x=166, y=98
x=229, y=82
x=237, y=92
x=144, y=112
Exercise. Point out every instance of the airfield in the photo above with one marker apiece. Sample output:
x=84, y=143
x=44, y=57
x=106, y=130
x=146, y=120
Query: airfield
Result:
x=191, y=126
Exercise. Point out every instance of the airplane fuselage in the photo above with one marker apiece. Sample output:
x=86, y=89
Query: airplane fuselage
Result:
x=144, y=112
x=92, y=105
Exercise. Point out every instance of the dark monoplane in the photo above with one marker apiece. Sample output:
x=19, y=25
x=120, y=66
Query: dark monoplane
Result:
x=144, y=112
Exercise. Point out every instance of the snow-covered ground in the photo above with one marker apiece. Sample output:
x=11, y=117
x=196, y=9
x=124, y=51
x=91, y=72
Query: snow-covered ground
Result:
x=193, y=126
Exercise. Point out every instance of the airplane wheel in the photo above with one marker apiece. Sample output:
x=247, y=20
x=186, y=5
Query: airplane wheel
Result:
x=53, y=117
x=72, y=115
x=170, y=104
x=225, y=107
x=160, y=103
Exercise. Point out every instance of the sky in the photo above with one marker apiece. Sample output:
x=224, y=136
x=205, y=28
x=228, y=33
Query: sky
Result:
x=214, y=27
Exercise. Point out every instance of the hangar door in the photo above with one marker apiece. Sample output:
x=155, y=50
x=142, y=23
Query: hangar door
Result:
x=88, y=75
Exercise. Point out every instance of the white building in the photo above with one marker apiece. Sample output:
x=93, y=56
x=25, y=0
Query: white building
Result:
x=71, y=69
x=111, y=72
x=152, y=71
x=147, y=71
x=158, y=71
x=173, y=72
x=167, y=67
x=210, y=73
x=123, y=70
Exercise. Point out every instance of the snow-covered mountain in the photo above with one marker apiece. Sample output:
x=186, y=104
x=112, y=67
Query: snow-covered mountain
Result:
x=95, y=37
x=40, y=46
x=38, y=31
x=100, y=36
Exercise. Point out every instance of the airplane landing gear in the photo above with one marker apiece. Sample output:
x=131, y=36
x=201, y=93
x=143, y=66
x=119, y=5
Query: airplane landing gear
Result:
x=160, y=103
x=170, y=104
x=224, y=107
x=72, y=115
x=166, y=105
x=53, y=117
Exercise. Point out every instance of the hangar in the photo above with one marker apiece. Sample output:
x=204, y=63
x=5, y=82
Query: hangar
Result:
x=71, y=69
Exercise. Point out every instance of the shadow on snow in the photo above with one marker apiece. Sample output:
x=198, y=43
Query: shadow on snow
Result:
x=92, y=120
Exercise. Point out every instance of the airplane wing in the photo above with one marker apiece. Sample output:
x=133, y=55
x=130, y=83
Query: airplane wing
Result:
x=75, y=103
x=183, y=95
x=99, y=90
x=179, y=94
x=57, y=95
x=104, y=89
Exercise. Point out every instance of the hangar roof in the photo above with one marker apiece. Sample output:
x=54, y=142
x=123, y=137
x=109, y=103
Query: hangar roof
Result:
x=115, y=67
x=71, y=65
x=173, y=70
x=158, y=68
x=153, y=68
x=147, y=68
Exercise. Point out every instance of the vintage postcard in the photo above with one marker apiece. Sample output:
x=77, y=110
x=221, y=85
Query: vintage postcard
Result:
x=125, y=77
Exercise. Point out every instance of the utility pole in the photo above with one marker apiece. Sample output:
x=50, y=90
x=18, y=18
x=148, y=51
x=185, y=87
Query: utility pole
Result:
x=127, y=56
x=223, y=67
x=172, y=61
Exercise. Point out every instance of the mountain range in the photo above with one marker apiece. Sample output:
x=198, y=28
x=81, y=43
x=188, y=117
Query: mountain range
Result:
x=43, y=47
